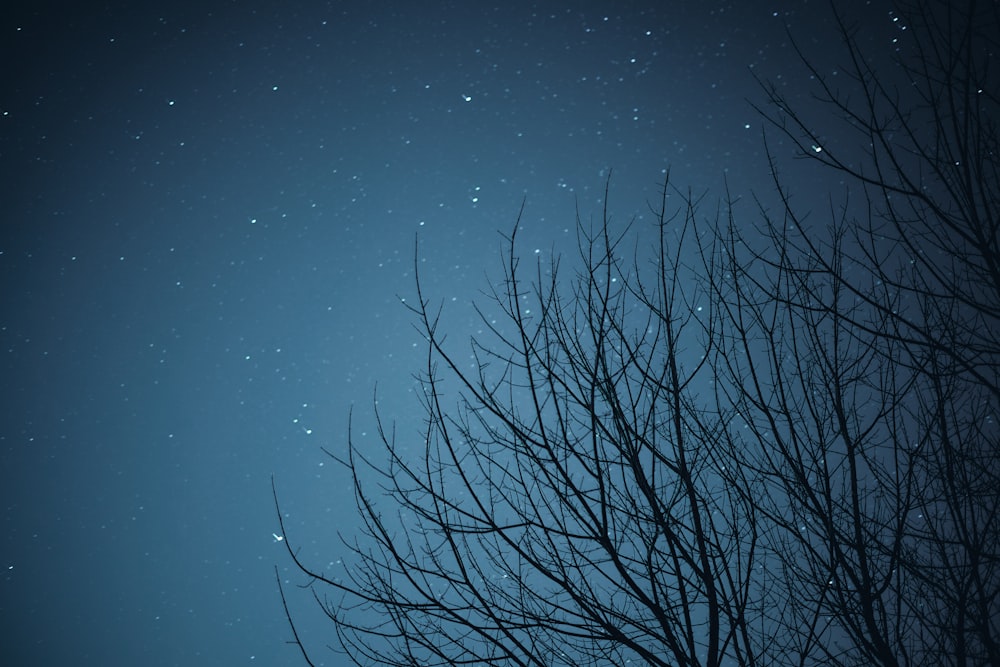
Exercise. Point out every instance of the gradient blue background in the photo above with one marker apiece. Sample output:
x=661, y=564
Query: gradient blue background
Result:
x=207, y=214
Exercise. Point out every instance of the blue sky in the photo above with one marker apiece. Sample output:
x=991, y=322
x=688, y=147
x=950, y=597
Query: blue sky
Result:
x=209, y=218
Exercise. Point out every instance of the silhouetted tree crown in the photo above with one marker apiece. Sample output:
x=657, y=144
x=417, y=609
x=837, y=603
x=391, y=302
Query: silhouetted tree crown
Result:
x=769, y=437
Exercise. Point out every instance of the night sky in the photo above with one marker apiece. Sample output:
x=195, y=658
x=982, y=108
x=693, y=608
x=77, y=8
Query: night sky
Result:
x=209, y=217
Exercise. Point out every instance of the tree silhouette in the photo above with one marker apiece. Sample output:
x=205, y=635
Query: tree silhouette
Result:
x=765, y=443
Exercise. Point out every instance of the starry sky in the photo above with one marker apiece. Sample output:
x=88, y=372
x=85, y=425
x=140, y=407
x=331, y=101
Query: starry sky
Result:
x=209, y=218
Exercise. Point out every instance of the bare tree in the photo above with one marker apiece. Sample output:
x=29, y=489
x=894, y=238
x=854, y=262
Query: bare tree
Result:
x=765, y=443
x=568, y=508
